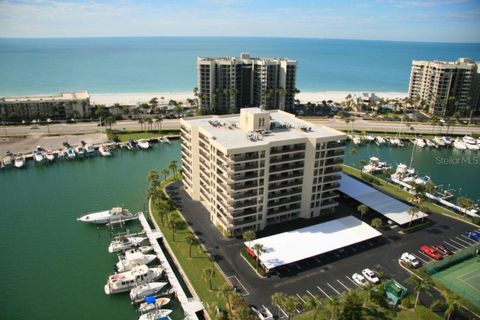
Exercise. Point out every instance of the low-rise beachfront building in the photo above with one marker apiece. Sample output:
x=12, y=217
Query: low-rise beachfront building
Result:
x=445, y=87
x=65, y=105
x=259, y=168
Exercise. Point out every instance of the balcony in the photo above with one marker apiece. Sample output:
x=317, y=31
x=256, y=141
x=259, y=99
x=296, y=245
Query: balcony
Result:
x=331, y=186
x=332, y=170
x=244, y=195
x=244, y=157
x=243, y=186
x=285, y=184
x=285, y=158
x=335, y=153
x=332, y=178
x=285, y=193
x=284, y=200
x=335, y=144
x=284, y=209
x=285, y=149
x=333, y=161
x=283, y=176
x=285, y=167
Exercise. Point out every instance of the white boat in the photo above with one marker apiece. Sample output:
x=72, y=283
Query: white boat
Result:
x=39, y=155
x=7, y=159
x=430, y=143
x=49, y=155
x=147, y=289
x=419, y=142
x=141, y=249
x=447, y=140
x=117, y=214
x=374, y=165
x=133, y=259
x=89, y=149
x=164, y=140
x=104, y=151
x=408, y=175
x=124, y=242
x=153, y=304
x=357, y=140
x=161, y=314
x=125, y=281
x=439, y=141
x=143, y=144
x=69, y=153
x=370, y=137
x=471, y=143
x=19, y=161
x=469, y=139
x=459, y=144
x=396, y=142
x=379, y=140
x=80, y=151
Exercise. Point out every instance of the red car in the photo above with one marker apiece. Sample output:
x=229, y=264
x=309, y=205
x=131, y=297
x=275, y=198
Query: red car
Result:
x=429, y=251
x=442, y=250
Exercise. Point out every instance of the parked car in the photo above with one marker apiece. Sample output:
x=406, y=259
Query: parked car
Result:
x=410, y=259
x=474, y=235
x=429, y=251
x=442, y=250
x=370, y=276
x=359, y=279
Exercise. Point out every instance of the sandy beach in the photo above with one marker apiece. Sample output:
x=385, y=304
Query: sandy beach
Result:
x=163, y=97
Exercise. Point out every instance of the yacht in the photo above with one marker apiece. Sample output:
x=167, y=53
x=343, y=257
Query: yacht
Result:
x=141, y=249
x=439, y=141
x=104, y=151
x=379, y=140
x=7, y=159
x=431, y=143
x=470, y=143
x=124, y=242
x=69, y=153
x=419, y=142
x=80, y=150
x=117, y=214
x=39, y=155
x=19, y=161
x=151, y=303
x=447, y=140
x=133, y=259
x=370, y=137
x=143, y=144
x=89, y=149
x=357, y=140
x=408, y=175
x=161, y=314
x=144, y=290
x=459, y=144
x=125, y=281
x=49, y=155
x=374, y=165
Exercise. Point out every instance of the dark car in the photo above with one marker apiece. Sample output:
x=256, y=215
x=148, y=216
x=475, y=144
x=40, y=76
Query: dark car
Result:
x=442, y=250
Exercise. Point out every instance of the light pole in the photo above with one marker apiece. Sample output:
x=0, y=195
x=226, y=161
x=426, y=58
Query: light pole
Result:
x=48, y=125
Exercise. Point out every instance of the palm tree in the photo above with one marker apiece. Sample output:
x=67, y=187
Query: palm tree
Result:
x=159, y=123
x=368, y=289
x=452, y=303
x=173, y=166
x=153, y=177
x=333, y=305
x=278, y=299
x=412, y=212
x=141, y=121
x=313, y=303
x=191, y=240
x=208, y=275
x=149, y=122
x=258, y=248
x=165, y=173
x=249, y=236
x=172, y=224
x=376, y=223
x=290, y=304
x=419, y=285
x=227, y=292
x=362, y=209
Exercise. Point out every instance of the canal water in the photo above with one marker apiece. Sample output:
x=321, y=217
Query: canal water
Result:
x=54, y=267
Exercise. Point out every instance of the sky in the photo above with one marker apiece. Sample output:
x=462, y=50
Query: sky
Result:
x=398, y=20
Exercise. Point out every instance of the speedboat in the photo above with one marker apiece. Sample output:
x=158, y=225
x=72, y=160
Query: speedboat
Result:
x=419, y=142
x=80, y=151
x=124, y=242
x=89, y=149
x=152, y=303
x=19, y=161
x=469, y=139
x=141, y=249
x=131, y=144
x=132, y=260
x=459, y=144
x=470, y=143
x=430, y=143
x=375, y=166
x=117, y=214
x=439, y=141
x=356, y=140
x=164, y=140
x=7, y=159
x=69, y=153
x=370, y=137
x=143, y=144
x=161, y=314
x=144, y=290
x=125, y=281
x=379, y=140
x=49, y=155
x=447, y=140
x=104, y=151
x=39, y=155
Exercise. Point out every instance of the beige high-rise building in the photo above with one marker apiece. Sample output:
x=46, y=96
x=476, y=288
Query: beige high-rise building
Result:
x=446, y=87
x=227, y=84
x=259, y=168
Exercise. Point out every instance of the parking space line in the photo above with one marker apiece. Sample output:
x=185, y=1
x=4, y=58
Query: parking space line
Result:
x=240, y=283
x=333, y=288
x=324, y=293
x=311, y=294
x=429, y=258
x=299, y=297
x=456, y=242
x=286, y=315
x=351, y=281
x=419, y=258
x=472, y=240
x=343, y=285
x=451, y=245
x=460, y=239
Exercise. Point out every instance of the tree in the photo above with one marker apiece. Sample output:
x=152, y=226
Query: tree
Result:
x=227, y=292
x=165, y=173
x=419, y=286
x=173, y=166
x=290, y=304
x=208, y=275
x=191, y=240
x=313, y=303
x=333, y=305
x=376, y=223
x=172, y=224
x=249, y=236
x=352, y=307
x=412, y=212
x=368, y=290
x=465, y=203
x=362, y=209
x=153, y=103
x=278, y=298
x=258, y=248
x=452, y=304
x=141, y=121
x=153, y=177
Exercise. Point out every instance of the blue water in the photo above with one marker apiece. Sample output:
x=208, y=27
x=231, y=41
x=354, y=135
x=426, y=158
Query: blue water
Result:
x=154, y=64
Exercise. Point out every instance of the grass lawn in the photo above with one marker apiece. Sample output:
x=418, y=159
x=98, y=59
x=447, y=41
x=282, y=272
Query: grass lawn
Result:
x=125, y=136
x=195, y=266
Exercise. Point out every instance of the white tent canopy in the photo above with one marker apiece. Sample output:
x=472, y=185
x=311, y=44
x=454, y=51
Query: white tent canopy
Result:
x=391, y=208
x=296, y=245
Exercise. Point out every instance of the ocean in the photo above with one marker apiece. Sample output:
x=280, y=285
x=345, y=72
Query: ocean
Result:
x=168, y=64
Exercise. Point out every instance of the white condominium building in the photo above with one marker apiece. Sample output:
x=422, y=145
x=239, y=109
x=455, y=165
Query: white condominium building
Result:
x=260, y=167
x=446, y=87
x=227, y=84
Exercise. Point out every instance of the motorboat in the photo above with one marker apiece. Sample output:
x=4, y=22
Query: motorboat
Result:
x=439, y=141
x=124, y=242
x=374, y=165
x=19, y=161
x=117, y=214
x=131, y=144
x=39, y=155
x=396, y=142
x=8, y=159
x=370, y=137
x=147, y=289
x=471, y=143
x=161, y=314
x=104, y=151
x=152, y=303
x=448, y=141
x=408, y=175
x=89, y=149
x=125, y=281
x=459, y=144
x=49, y=155
x=164, y=140
x=469, y=139
x=357, y=140
x=80, y=150
x=141, y=249
x=379, y=140
x=133, y=259
x=430, y=143
x=419, y=142
x=70, y=153
x=143, y=144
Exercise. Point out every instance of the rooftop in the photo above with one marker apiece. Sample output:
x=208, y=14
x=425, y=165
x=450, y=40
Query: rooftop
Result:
x=227, y=132
x=244, y=57
x=62, y=96
x=296, y=245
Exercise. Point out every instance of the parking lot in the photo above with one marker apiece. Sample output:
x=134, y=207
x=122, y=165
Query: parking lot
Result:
x=327, y=275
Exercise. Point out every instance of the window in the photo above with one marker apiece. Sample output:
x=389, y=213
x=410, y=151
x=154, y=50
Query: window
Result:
x=261, y=122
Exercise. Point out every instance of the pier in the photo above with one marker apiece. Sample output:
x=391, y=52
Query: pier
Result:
x=189, y=305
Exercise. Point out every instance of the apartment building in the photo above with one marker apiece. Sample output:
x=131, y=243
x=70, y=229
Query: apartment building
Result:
x=227, y=84
x=65, y=105
x=445, y=87
x=259, y=168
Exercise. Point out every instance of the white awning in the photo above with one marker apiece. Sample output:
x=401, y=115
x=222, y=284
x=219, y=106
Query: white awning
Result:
x=391, y=208
x=296, y=245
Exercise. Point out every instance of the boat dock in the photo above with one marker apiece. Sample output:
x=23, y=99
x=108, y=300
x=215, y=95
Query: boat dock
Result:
x=189, y=305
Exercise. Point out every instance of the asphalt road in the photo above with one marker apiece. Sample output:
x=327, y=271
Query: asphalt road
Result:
x=129, y=125
x=324, y=276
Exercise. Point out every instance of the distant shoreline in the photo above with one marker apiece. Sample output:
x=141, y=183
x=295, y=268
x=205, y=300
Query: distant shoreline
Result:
x=133, y=98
